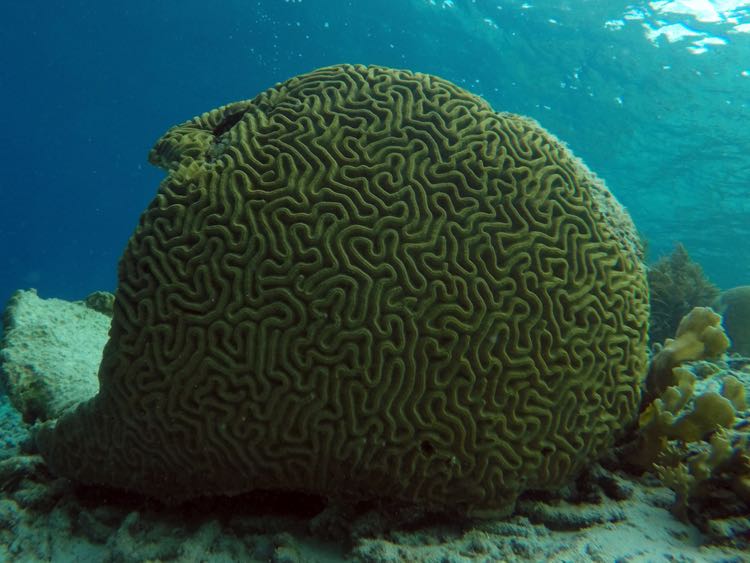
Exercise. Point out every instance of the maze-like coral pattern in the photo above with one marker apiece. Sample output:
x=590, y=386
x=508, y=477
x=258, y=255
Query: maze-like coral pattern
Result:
x=365, y=283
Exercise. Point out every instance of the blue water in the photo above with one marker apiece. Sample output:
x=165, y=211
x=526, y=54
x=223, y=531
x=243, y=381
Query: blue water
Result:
x=88, y=86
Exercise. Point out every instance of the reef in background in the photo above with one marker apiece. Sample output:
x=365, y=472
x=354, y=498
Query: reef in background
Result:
x=676, y=285
x=734, y=306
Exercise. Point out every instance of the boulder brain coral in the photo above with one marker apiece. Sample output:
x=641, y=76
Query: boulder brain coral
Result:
x=365, y=283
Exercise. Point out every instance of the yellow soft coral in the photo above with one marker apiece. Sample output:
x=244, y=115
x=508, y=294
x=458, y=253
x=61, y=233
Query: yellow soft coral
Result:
x=691, y=440
x=711, y=412
x=699, y=336
x=733, y=390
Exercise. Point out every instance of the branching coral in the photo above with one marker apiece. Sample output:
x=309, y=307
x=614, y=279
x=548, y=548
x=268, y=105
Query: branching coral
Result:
x=694, y=434
x=699, y=335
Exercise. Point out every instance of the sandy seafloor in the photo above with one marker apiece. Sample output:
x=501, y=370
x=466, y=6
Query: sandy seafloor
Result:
x=611, y=516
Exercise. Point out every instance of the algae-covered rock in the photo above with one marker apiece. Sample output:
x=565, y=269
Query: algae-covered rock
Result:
x=101, y=301
x=50, y=354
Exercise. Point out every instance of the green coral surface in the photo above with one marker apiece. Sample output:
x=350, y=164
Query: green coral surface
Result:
x=365, y=283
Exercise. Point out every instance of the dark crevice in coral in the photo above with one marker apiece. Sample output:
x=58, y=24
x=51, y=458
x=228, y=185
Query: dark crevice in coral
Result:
x=220, y=143
x=227, y=123
x=261, y=502
x=427, y=448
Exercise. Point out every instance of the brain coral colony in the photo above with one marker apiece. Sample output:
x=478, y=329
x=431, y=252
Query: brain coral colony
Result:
x=364, y=283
